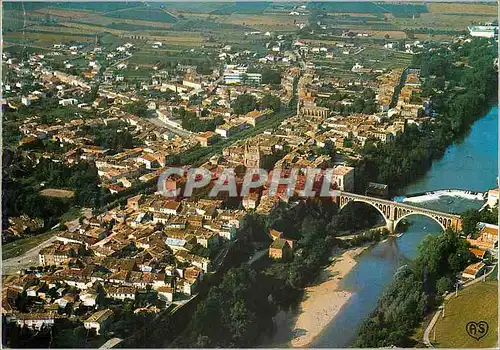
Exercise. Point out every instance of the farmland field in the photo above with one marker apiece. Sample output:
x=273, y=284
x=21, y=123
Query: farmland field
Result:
x=479, y=9
x=242, y=8
x=144, y=14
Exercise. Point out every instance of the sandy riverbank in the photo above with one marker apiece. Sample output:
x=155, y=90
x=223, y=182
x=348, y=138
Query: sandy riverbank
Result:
x=323, y=301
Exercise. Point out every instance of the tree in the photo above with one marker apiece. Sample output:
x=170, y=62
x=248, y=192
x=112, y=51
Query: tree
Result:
x=270, y=102
x=443, y=285
x=138, y=108
x=271, y=76
x=244, y=103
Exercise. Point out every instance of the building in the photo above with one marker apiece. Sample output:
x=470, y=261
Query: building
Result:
x=478, y=253
x=250, y=201
x=135, y=202
x=343, y=177
x=493, y=197
x=374, y=189
x=35, y=320
x=166, y=293
x=474, y=271
x=238, y=75
x=252, y=157
x=98, y=320
x=207, y=138
x=280, y=249
x=485, y=31
x=68, y=102
x=57, y=254
x=254, y=117
x=487, y=236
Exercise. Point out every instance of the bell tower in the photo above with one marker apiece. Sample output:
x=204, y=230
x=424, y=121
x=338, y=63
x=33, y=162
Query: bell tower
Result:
x=252, y=156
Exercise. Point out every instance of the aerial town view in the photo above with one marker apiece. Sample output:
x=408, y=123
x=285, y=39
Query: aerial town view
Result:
x=249, y=174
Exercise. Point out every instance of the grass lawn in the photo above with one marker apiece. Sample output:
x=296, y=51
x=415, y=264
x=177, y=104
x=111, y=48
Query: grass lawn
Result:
x=20, y=246
x=494, y=275
x=478, y=302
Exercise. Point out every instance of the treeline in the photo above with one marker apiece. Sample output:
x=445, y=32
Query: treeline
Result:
x=472, y=217
x=415, y=291
x=364, y=103
x=246, y=103
x=23, y=180
x=412, y=152
x=191, y=122
x=115, y=137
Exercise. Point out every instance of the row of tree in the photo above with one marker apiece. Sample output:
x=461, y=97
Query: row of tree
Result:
x=246, y=103
x=415, y=291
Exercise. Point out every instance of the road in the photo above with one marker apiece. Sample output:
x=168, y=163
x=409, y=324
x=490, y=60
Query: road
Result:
x=180, y=132
x=257, y=256
x=30, y=258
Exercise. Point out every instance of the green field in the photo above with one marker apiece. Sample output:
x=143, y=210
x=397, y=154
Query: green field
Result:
x=143, y=14
x=478, y=302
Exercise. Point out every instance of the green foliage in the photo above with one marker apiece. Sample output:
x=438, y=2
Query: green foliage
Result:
x=472, y=217
x=244, y=103
x=415, y=290
x=191, y=122
x=23, y=181
x=410, y=156
x=233, y=313
x=271, y=76
x=444, y=284
x=138, y=108
x=270, y=102
x=144, y=14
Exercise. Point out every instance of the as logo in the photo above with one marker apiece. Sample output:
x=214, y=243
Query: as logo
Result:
x=477, y=330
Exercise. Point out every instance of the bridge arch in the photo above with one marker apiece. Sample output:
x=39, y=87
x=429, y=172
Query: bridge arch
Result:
x=443, y=222
x=381, y=209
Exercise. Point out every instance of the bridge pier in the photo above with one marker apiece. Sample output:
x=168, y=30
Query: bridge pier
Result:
x=390, y=225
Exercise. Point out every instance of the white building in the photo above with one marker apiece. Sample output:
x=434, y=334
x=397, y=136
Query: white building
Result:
x=68, y=102
x=487, y=31
x=98, y=320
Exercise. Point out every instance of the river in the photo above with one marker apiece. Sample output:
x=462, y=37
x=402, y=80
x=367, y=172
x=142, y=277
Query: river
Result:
x=470, y=164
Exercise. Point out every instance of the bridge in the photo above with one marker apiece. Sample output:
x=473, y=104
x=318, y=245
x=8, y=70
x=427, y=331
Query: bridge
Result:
x=394, y=212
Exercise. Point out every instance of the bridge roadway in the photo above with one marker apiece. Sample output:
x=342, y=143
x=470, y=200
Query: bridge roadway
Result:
x=393, y=212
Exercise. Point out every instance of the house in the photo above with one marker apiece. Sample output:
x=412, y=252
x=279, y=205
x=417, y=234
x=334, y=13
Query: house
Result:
x=280, y=249
x=493, y=197
x=274, y=234
x=68, y=102
x=250, y=201
x=35, y=320
x=148, y=160
x=474, y=271
x=487, y=237
x=135, y=202
x=166, y=293
x=207, y=138
x=120, y=292
x=170, y=207
x=57, y=254
x=88, y=299
x=343, y=177
x=478, y=253
x=98, y=320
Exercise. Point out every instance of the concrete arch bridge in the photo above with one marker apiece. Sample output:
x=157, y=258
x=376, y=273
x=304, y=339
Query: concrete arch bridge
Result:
x=394, y=212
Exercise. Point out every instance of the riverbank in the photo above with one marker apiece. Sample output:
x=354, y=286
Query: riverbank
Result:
x=322, y=301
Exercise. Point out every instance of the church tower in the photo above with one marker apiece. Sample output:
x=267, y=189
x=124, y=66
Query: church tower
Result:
x=252, y=156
